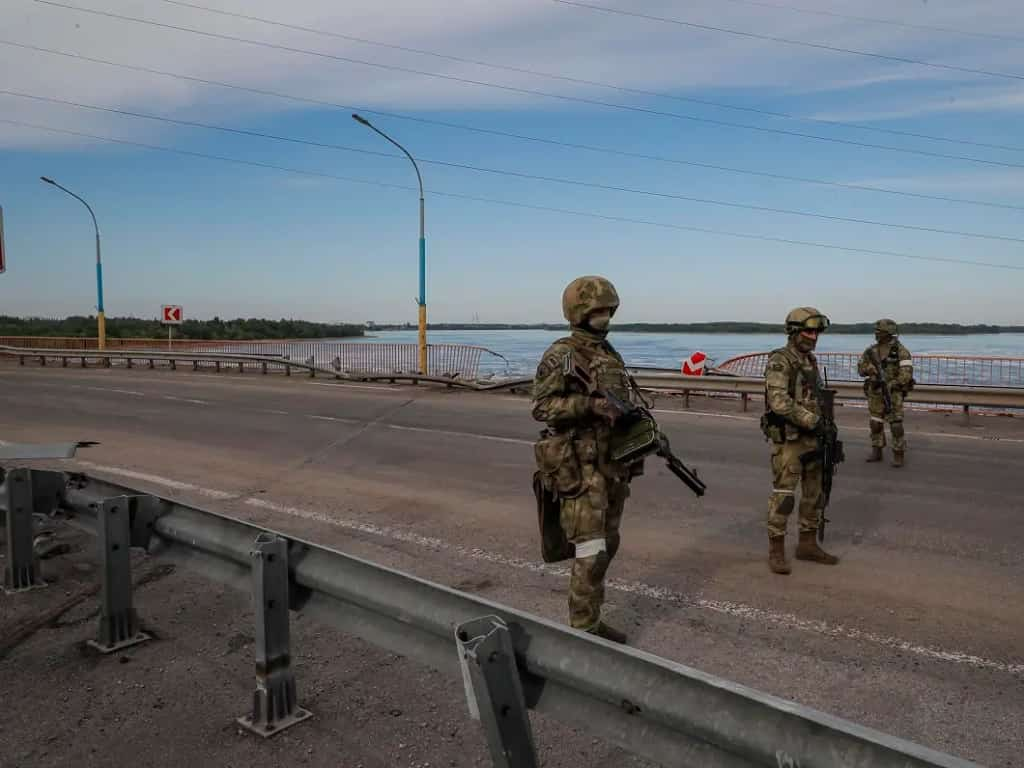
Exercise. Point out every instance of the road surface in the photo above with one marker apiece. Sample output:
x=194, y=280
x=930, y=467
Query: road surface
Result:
x=918, y=632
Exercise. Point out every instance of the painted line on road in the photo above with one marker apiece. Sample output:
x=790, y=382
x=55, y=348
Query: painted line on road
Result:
x=158, y=480
x=358, y=386
x=118, y=391
x=271, y=410
x=334, y=418
x=429, y=430
x=725, y=607
x=186, y=400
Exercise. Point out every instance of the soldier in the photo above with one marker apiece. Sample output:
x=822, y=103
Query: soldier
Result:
x=791, y=422
x=889, y=376
x=573, y=452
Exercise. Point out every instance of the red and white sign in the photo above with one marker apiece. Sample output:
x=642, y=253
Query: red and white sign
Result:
x=171, y=314
x=3, y=255
x=694, y=364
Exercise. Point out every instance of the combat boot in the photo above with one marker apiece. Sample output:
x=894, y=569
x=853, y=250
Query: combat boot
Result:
x=777, y=555
x=875, y=455
x=608, y=633
x=897, y=458
x=808, y=549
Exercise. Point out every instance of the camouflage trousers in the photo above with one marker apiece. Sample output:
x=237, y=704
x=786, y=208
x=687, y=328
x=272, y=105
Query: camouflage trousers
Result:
x=591, y=522
x=789, y=472
x=876, y=407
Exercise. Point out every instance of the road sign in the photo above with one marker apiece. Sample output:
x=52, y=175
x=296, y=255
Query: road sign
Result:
x=171, y=314
x=3, y=255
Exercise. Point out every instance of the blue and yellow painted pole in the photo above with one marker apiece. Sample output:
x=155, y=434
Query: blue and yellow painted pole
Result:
x=101, y=319
x=422, y=298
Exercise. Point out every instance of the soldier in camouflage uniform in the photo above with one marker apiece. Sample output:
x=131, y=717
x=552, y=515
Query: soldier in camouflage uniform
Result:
x=791, y=421
x=897, y=368
x=573, y=452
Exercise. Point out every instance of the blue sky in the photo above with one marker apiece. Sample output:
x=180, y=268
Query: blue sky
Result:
x=228, y=239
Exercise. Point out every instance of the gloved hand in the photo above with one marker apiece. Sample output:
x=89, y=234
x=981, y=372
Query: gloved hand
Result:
x=603, y=408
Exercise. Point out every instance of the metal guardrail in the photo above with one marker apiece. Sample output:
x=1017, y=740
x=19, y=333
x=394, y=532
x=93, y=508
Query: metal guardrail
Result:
x=958, y=370
x=445, y=360
x=664, y=381
x=239, y=362
x=988, y=397
x=507, y=660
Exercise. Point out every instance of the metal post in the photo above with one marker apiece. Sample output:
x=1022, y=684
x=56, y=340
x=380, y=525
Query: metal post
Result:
x=101, y=320
x=21, y=571
x=495, y=692
x=275, y=704
x=422, y=297
x=119, y=625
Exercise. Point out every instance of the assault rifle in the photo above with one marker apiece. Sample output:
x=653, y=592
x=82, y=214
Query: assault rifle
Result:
x=636, y=435
x=881, y=382
x=830, y=448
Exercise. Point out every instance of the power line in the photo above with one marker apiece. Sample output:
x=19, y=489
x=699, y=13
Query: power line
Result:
x=597, y=83
x=874, y=20
x=519, y=174
x=516, y=204
x=518, y=136
x=531, y=91
x=787, y=41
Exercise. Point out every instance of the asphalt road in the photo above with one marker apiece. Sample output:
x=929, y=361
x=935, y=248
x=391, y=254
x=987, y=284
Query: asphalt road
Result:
x=918, y=631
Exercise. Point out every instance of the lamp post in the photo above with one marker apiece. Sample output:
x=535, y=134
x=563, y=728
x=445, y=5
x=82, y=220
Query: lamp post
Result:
x=422, y=301
x=101, y=321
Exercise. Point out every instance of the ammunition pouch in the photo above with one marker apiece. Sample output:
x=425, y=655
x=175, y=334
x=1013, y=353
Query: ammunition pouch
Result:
x=773, y=426
x=554, y=546
x=558, y=464
x=633, y=440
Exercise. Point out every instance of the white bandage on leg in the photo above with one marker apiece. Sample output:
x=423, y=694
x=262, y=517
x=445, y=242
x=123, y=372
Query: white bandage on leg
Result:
x=590, y=548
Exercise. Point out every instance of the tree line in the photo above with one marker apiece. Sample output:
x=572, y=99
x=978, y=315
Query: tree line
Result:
x=239, y=329
x=942, y=329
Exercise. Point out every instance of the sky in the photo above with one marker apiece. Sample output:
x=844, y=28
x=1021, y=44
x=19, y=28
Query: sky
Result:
x=660, y=103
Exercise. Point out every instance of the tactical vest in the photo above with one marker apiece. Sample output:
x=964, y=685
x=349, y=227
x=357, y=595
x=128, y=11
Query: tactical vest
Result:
x=800, y=387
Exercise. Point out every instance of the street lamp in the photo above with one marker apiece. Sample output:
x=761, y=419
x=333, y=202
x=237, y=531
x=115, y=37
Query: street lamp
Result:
x=423, y=245
x=101, y=321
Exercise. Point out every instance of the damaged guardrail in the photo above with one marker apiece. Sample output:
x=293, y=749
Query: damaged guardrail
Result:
x=508, y=661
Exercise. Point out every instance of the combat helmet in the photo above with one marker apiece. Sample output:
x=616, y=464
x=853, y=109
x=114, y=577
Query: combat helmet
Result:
x=885, y=325
x=806, y=319
x=587, y=294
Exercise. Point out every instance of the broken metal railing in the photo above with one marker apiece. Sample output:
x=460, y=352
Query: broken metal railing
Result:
x=509, y=661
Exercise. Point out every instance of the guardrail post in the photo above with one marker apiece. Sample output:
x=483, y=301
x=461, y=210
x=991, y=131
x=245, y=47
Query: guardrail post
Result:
x=264, y=366
x=494, y=691
x=21, y=570
x=128, y=362
x=216, y=364
x=64, y=362
x=967, y=414
x=42, y=360
x=287, y=370
x=686, y=398
x=746, y=401
x=83, y=362
x=152, y=364
x=241, y=367
x=119, y=624
x=21, y=359
x=274, y=705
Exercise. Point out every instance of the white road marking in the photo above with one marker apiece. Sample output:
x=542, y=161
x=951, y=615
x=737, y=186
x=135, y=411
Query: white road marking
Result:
x=728, y=608
x=430, y=430
x=158, y=480
x=186, y=400
x=271, y=410
x=346, y=385
x=118, y=391
x=334, y=418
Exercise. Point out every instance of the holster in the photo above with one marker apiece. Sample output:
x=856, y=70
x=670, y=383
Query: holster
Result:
x=554, y=546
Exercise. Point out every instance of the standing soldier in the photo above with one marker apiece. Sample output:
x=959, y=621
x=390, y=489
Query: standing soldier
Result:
x=792, y=421
x=576, y=473
x=888, y=369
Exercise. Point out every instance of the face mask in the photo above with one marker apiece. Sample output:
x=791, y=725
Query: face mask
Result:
x=599, y=321
x=806, y=343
